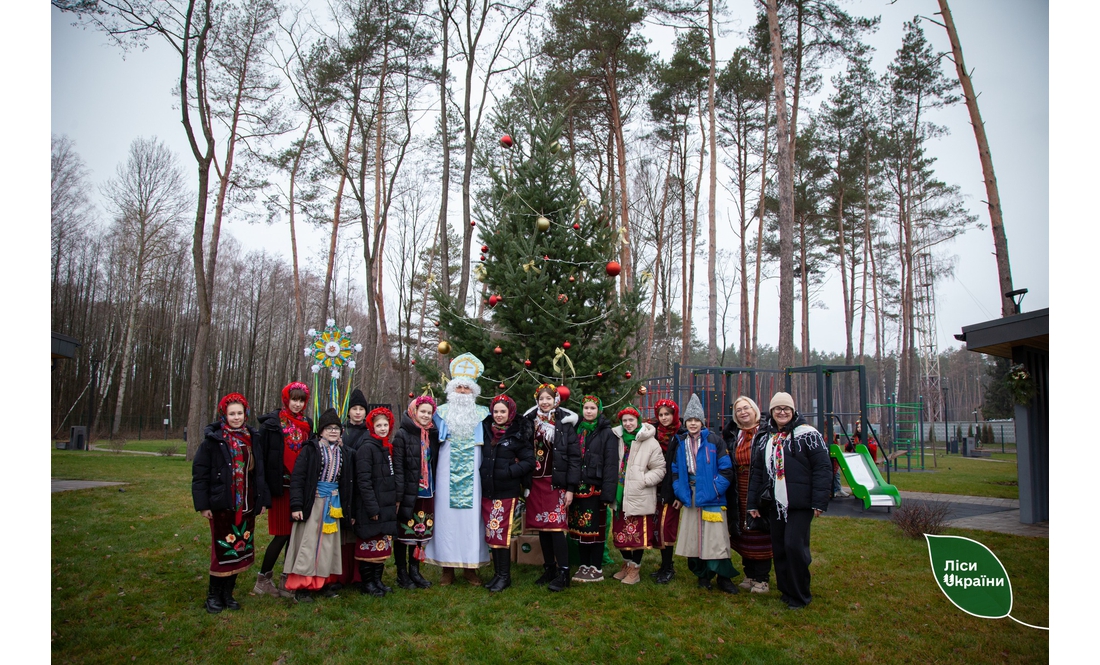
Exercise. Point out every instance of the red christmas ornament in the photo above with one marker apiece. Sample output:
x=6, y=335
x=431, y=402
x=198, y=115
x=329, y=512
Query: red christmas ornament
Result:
x=563, y=298
x=412, y=395
x=502, y=385
x=627, y=375
x=576, y=226
x=498, y=350
x=571, y=279
x=599, y=375
x=436, y=323
x=473, y=223
x=613, y=268
x=566, y=345
x=482, y=257
x=506, y=141
x=413, y=361
x=526, y=363
x=545, y=257
x=564, y=393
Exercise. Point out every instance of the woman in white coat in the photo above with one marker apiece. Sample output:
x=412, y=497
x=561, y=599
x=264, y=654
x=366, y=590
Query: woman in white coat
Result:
x=641, y=469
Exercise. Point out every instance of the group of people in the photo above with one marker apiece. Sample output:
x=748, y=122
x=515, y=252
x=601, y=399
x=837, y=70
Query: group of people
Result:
x=447, y=484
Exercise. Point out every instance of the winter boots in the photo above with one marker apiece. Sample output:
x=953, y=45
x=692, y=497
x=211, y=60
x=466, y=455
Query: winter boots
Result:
x=214, y=603
x=502, y=566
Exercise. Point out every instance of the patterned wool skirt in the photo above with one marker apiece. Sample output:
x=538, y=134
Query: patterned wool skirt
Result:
x=751, y=545
x=418, y=529
x=545, y=507
x=668, y=524
x=634, y=532
x=499, y=518
x=374, y=550
x=278, y=518
x=313, y=556
x=588, y=520
x=232, y=546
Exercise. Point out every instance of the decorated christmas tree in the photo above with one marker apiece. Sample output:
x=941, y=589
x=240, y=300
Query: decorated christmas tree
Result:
x=551, y=310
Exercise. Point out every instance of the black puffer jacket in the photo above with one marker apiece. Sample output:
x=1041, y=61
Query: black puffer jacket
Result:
x=375, y=491
x=354, y=436
x=406, y=462
x=212, y=474
x=307, y=472
x=270, y=445
x=809, y=471
x=566, y=474
x=665, y=494
x=505, y=464
x=600, y=460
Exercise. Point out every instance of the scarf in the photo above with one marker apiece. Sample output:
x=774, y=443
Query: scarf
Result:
x=743, y=452
x=665, y=434
x=382, y=411
x=773, y=457
x=692, y=450
x=296, y=429
x=239, y=442
x=588, y=426
x=327, y=485
x=628, y=439
x=425, y=438
x=497, y=431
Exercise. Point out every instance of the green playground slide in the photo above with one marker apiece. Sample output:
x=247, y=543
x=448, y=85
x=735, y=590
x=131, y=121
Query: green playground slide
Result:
x=863, y=477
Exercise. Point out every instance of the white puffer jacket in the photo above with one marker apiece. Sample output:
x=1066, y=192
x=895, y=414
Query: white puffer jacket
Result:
x=644, y=471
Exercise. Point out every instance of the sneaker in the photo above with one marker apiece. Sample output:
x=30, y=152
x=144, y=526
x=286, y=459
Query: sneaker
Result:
x=747, y=583
x=594, y=574
x=759, y=587
x=582, y=574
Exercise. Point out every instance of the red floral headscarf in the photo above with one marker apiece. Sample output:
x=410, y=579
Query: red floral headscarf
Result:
x=499, y=430
x=231, y=398
x=665, y=434
x=425, y=438
x=382, y=411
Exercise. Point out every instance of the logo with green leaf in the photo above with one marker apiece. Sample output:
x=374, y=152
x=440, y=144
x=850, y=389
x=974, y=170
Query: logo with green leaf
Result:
x=972, y=577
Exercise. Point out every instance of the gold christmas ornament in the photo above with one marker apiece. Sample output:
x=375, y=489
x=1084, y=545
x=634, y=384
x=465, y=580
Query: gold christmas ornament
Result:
x=641, y=390
x=444, y=347
x=543, y=224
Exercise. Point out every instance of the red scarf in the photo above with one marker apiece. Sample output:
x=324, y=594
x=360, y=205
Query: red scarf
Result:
x=425, y=438
x=296, y=427
x=239, y=442
x=382, y=411
x=499, y=430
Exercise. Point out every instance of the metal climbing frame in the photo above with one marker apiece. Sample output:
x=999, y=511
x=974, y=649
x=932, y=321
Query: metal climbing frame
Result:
x=717, y=387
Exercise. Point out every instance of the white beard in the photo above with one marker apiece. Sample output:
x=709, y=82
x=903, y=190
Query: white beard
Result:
x=461, y=415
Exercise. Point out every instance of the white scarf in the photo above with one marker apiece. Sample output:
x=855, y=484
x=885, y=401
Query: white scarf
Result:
x=774, y=457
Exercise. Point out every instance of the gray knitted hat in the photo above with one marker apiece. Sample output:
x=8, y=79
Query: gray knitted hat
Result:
x=694, y=409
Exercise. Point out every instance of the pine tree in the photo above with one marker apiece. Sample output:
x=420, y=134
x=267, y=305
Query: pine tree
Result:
x=549, y=302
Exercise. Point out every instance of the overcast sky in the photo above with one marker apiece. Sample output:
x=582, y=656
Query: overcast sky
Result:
x=103, y=100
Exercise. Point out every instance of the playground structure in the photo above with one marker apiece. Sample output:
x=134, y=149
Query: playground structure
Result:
x=832, y=398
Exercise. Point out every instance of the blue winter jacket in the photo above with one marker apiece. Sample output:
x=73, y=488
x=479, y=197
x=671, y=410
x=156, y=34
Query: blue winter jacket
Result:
x=713, y=471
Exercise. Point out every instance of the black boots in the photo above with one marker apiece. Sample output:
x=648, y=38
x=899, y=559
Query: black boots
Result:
x=378, y=570
x=403, y=579
x=666, y=572
x=227, y=593
x=414, y=573
x=549, y=572
x=502, y=565
x=371, y=574
x=214, y=602
x=726, y=585
x=561, y=581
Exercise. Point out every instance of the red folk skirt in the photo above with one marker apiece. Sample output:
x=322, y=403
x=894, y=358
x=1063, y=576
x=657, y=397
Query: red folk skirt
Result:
x=636, y=532
x=278, y=518
x=498, y=516
x=668, y=524
x=374, y=550
x=545, y=509
x=232, y=546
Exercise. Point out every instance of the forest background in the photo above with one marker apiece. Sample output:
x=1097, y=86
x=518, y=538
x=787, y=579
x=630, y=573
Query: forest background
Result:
x=866, y=108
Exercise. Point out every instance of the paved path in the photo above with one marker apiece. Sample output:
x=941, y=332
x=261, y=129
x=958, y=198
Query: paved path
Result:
x=966, y=512
x=101, y=449
x=63, y=485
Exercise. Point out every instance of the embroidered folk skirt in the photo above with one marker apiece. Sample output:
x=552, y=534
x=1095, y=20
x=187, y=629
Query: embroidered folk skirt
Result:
x=278, y=518
x=499, y=517
x=232, y=546
x=418, y=529
x=545, y=510
x=633, y=532
x=313, y=556
x=751, y=545
x=374, y=550
x=588, y=520
x=668, y=524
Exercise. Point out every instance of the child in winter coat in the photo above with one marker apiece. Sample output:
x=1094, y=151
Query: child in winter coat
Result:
x=416, y=451
x=641, y=466
x=228, y=488
x=597, y=490
x=375, y=503
x=355, y=432
x=666, y=420
x=321, y=482
x=701, y=474
x=506, y=459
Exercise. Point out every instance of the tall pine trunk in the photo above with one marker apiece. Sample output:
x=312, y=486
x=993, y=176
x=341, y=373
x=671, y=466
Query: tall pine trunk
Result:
x=786, y=195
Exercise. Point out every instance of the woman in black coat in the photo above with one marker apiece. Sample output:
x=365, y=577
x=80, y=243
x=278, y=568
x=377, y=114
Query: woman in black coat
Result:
x=416, y=453
x=599, y=481
x=506, y=459
x=376, y=495
x=789, y=483
x=555, y=478
x=228, y=489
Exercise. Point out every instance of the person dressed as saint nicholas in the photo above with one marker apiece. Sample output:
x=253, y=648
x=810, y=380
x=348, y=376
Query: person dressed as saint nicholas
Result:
x=458, y=540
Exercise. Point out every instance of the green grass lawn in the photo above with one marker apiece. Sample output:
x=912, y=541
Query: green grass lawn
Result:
x=129, y=573
x=955, y=474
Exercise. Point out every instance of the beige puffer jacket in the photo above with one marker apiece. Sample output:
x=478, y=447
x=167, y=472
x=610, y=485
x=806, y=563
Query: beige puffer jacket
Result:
x=644, y=471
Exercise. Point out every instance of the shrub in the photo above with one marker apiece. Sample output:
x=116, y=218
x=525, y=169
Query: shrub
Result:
x=116, y=444
x=169, y=451
x=916, y=518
